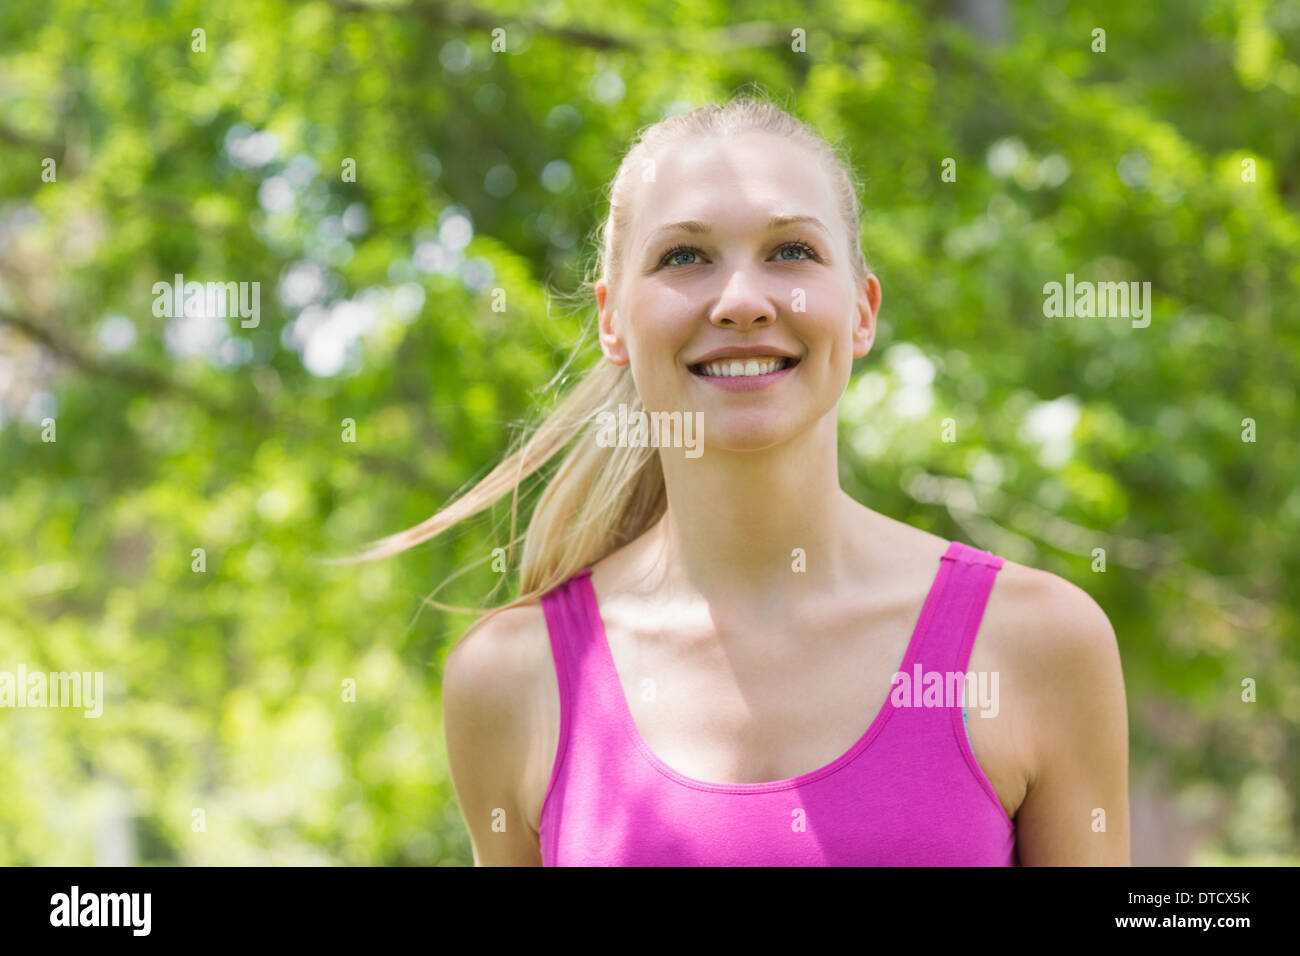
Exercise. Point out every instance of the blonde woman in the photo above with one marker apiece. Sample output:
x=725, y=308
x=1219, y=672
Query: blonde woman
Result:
x=720, y=658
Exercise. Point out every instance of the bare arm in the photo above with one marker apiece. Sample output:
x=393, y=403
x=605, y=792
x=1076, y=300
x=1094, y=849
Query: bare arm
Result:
x=486, y=687
x=1079, y=782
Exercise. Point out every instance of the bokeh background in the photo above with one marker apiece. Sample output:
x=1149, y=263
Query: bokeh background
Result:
x=1173, y=157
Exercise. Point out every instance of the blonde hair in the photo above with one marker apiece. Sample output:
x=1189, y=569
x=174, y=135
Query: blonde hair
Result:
x=601, y=498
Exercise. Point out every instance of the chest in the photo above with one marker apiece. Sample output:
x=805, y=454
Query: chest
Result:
x=775, y=708
x=764, y=706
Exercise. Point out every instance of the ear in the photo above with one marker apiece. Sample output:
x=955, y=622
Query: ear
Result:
x=868, y=304
x=611, y=342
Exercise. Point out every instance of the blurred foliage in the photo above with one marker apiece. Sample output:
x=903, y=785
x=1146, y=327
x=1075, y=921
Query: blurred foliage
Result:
x=479, y=170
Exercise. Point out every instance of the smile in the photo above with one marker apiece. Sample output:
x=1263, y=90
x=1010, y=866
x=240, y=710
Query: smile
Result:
x=745, y=374
x=743, y=368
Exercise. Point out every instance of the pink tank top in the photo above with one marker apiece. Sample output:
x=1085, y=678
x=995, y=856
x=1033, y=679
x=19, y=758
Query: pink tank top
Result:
x=909, y=792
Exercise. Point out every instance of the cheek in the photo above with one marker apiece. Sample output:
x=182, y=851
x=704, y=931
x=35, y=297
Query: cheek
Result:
x=671, y=305
x=664, y=323
x=827, y=316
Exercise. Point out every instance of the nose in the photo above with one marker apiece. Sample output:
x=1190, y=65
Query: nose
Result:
x=742, y=304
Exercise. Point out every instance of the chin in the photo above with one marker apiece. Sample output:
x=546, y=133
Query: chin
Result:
x=737, y=435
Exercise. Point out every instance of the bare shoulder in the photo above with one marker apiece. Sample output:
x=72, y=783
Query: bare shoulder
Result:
x=1065, y=656
x=500, y=649
x=490, y=689
x=1054, y=625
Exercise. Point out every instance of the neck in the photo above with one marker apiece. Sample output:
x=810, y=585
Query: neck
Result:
x=740, y=526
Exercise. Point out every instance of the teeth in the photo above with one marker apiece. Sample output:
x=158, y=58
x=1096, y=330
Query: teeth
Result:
x=744, y=367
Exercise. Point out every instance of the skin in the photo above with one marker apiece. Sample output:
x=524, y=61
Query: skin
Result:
x=705, y=602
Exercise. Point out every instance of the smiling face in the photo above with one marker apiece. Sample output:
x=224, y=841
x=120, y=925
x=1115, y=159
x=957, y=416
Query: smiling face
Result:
x=736, y=251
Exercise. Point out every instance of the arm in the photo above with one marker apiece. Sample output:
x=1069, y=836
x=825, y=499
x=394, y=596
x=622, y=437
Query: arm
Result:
x=485, y=692
x=1080, y=761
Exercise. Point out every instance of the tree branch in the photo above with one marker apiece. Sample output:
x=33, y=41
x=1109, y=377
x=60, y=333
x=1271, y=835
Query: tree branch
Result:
x=130, y=375
x=717, y=40
x=48, y=148
x=150, y=381
x=962, y=499
x=461, y=15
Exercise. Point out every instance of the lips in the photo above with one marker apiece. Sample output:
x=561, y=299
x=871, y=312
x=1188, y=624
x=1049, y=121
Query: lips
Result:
x=742, y=383
x=715, y=363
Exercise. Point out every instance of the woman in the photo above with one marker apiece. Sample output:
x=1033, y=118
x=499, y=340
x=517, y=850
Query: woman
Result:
x=701, y=667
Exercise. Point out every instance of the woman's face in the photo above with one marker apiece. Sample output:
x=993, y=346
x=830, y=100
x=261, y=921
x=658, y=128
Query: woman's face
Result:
x=737, y=282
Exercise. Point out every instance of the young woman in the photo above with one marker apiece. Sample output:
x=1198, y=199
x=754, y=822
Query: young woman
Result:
x=701, y=667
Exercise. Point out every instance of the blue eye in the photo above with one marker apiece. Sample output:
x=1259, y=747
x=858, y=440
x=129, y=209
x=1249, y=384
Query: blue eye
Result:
x=680, y=250
x=804, y=247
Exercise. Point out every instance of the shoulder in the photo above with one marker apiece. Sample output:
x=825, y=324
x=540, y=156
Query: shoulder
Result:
x=1055, y=622
x=490, y=672
x=1069, y=686
x=499, y=647
x=1065, y=655
x=491, y=682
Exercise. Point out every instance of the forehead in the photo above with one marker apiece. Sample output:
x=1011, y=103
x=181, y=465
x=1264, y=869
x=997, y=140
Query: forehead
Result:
x=733, y=182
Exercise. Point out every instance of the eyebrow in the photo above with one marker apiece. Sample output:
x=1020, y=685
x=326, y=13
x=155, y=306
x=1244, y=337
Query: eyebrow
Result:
x=776, y=222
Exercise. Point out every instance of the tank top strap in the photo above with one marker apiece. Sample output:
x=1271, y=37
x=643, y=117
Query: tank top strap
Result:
x=589, y=687
x=966, y=581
